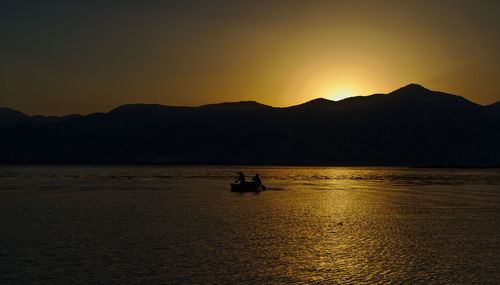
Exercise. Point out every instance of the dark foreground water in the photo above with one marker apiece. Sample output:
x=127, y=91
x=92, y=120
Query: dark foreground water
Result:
x=154, y=225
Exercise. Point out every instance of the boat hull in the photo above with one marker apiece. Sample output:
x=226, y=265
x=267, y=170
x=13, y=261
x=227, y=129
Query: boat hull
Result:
x=245, y=187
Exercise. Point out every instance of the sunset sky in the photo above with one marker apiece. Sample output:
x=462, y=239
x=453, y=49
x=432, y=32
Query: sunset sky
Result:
x=62, y=57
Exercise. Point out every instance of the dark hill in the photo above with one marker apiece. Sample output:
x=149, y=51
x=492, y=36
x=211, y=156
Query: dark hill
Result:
x=410, y=126
x=52, y=119
x=493, y=112
x=9, y=116
x=495, y=107
x=319, y=103
x=248, y=105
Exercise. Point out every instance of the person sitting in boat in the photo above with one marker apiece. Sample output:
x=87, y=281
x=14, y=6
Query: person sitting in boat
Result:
x=256, y=180
x=240, y=178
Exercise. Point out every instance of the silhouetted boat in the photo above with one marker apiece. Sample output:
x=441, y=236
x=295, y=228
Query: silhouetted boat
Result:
x=246, y=187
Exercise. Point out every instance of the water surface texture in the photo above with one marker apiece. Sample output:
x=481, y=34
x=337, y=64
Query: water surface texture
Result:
x=135, y=224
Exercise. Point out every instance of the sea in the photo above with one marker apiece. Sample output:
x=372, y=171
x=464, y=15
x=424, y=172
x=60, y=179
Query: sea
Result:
x=64, y=224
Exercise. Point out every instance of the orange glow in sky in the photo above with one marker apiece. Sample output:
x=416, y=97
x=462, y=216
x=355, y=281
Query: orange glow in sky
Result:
x=85, y=56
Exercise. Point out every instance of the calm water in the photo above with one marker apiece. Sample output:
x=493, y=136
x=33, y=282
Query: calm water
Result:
x=83, y=224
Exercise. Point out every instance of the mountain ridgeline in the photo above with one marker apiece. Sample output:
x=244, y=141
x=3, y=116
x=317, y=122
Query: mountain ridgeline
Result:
x=410, y=126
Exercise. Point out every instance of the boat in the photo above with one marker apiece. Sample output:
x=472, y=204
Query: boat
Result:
x=246, y=187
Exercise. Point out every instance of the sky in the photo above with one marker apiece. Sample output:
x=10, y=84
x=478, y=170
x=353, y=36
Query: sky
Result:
x=65, y=57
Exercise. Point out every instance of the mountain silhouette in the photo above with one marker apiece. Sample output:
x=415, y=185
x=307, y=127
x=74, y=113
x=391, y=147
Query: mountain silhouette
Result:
x=237, y=105
x=494, y=108
x=13, y=117
x=9, y=117
x=409, y=126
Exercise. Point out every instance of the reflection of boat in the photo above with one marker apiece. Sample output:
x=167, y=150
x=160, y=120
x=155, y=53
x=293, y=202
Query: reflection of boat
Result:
x=245, y=187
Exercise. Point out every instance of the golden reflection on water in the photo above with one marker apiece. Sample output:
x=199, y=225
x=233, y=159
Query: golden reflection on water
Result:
x=384, y=225
x=314, y=225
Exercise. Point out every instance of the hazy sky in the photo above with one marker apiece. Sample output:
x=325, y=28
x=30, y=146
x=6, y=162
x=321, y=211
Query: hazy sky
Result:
x=62, y=57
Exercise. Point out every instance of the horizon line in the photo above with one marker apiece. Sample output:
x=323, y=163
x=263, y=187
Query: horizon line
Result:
x=410, y=85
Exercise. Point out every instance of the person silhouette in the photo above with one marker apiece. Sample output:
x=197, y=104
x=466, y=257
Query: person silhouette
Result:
x=240, y=178
x=256, y=179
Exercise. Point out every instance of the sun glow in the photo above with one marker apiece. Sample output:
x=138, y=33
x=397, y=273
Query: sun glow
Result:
x=340, y=94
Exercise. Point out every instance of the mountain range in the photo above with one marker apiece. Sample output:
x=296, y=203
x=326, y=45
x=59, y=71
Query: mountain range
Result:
x=409, y=126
